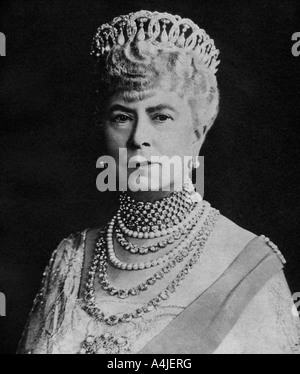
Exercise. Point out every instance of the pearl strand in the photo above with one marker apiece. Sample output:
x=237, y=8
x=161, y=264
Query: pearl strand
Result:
x=186, y=246
x=100, y=256
x=274, y=248
x=149, y=220
x=157, y=233
x=176, y=235
x=142, y=265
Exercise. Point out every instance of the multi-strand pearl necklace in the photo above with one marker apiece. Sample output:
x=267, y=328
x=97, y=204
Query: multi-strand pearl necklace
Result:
x=176, y=235
x=150, y=220
x=145, y=265
x=174, y=257
x=100, y=261
x=172, y=217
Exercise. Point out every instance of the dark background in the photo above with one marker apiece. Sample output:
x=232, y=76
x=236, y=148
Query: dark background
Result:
x=49, y=144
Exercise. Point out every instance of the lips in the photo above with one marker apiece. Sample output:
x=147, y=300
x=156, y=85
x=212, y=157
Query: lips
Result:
x=140, y=162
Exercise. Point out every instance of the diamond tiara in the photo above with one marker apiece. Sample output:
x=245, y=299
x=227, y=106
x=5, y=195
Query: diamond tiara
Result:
x=161, y=29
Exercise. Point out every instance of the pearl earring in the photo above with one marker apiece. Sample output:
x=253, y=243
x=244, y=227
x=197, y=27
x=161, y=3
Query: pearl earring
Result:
x=193, y=163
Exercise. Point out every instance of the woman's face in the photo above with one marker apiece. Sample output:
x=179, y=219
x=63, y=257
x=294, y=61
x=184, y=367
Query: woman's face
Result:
x=159, y=125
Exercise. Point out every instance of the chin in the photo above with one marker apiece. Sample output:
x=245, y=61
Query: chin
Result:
x=144, y=183
x=146, y=180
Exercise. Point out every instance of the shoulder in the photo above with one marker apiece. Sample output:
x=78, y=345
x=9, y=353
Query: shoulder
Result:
x=226, y=242
x=268, y=324
x=231, y=234
x=69, y=244
x=69, y=253
x=235, y=238
x=65, y=252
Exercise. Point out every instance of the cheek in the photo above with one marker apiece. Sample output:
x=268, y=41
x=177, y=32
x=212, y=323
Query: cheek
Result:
x=114, y=141
x=174, y=146
x=178, y=142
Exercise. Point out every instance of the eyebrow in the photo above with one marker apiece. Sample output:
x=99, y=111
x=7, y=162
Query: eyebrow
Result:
x=161, y=107
x=121, y=108
x=148, y=110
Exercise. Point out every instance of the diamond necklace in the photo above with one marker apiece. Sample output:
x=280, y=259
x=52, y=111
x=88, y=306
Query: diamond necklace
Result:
x=142, y=265
x=100, y=258
x=185, y=247
x=176, y=235
x=139, y=219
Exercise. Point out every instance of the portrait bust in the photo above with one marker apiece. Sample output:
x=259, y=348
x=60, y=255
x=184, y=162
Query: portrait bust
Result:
x=168, y=273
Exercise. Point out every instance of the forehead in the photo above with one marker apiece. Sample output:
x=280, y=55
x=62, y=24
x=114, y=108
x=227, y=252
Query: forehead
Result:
x=149, y=98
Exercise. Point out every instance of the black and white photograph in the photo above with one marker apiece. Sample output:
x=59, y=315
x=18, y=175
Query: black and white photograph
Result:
x=149, y=179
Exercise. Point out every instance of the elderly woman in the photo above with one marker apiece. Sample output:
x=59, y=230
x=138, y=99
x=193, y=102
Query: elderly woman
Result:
x=168, y=273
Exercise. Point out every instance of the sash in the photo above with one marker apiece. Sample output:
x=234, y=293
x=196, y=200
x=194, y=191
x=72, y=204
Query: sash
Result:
x=204, y=324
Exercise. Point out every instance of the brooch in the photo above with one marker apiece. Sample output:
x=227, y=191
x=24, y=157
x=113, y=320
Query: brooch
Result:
x=104, y=344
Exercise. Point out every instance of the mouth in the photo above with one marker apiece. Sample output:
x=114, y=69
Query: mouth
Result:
x=141, y=162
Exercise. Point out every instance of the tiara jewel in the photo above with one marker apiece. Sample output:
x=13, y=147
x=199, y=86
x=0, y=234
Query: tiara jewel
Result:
x=161, y=29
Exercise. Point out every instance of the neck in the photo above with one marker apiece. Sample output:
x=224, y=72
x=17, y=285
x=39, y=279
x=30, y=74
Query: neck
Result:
x=152, y=196
x=149, y=196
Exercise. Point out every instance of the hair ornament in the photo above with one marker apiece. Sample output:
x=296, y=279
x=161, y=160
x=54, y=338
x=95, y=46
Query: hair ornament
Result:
x=162, y=30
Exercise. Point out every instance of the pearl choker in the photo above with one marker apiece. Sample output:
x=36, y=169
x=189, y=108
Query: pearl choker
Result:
x=175, y=235
x=149, y=220
x=142, y=265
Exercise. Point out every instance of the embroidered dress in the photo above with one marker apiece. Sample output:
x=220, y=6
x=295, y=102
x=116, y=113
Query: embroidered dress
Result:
x=58, y=322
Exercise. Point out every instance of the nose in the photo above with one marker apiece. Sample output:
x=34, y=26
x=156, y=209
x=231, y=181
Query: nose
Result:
x=142, y=133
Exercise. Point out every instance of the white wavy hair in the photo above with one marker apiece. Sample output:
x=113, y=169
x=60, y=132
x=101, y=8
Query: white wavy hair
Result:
x=137, y=68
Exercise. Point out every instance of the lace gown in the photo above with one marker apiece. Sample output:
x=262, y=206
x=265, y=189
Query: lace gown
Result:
x=59, y=324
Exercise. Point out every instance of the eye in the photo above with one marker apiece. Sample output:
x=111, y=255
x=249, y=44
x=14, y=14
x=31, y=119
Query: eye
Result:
x=120, y=118
x=162, y=118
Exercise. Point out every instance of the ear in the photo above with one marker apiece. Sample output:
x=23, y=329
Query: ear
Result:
x=199, y=137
